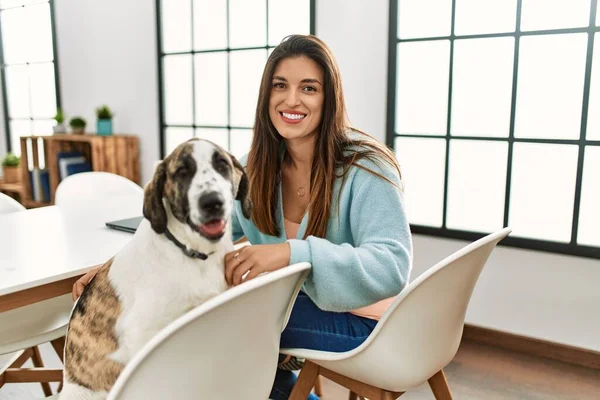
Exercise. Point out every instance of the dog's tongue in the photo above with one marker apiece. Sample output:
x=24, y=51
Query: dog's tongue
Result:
x=214, y=227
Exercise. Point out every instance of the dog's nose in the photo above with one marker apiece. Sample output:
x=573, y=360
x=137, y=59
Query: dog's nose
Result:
x=211, y=202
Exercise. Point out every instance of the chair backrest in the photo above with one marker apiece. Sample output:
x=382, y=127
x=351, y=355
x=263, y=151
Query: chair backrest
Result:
x=86, y=188
x=9, y=205
x=421, y=331
x=227, y=348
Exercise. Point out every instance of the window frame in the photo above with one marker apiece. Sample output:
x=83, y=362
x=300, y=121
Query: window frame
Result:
x=571, y=248
x=161, y=54
x=7, y=119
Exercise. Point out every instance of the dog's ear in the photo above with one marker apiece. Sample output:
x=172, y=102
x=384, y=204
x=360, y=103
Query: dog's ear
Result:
x=154, y=210
x=242, y=187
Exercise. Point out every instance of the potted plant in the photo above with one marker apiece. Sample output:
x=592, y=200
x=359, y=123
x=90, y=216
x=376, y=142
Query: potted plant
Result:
x=10, y=168
x=104, y=121
x=77, y=125
x=60, y=122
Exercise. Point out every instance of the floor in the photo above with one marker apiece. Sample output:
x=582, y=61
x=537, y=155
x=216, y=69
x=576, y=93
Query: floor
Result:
x=479, y=372
x=482, y=372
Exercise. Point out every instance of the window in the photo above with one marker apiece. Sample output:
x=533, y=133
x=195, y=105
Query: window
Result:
x=211, y=57
x=494, y=114
x=29, y=69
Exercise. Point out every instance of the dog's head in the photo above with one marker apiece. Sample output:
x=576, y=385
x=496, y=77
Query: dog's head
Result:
x=198, y=181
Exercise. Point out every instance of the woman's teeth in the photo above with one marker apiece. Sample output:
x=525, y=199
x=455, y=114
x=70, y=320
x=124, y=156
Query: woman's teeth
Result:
x=293, y=116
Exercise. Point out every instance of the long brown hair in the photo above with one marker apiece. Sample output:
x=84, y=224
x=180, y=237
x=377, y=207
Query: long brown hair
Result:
x=333, y=147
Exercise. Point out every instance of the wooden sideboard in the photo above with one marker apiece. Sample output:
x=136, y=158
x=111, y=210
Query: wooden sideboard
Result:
x=118, y=154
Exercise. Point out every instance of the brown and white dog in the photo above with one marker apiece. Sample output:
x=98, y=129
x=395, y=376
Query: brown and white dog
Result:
x=173, y=263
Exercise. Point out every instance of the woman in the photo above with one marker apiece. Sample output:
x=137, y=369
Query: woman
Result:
x=323, y=193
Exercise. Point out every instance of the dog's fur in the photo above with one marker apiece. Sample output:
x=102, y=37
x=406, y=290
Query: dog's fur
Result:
x=151, y=282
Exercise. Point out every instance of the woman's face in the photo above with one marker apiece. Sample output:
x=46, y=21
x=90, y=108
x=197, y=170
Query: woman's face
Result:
x=296, y=104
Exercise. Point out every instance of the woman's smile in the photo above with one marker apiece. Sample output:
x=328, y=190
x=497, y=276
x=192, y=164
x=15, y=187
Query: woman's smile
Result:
x=292, y=117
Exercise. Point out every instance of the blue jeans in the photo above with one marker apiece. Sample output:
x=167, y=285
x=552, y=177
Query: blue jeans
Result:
x=312, y=328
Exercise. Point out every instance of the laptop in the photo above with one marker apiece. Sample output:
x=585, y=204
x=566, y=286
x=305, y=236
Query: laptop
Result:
x=127, y=225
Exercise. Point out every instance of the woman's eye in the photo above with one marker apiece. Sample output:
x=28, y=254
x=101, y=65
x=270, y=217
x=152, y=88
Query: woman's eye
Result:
x=310, y=89
x=278, y=85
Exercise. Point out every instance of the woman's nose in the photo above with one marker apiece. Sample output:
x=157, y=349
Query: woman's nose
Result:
x=292, y=98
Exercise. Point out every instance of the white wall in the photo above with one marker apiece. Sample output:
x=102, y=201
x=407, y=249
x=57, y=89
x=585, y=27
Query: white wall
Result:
x=357, y=33
x=540, y=295
x=107, y=55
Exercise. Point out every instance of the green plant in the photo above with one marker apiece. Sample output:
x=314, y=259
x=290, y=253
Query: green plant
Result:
x=77, y=122
x=11, y=160
x=59, y=117
x=104, y=112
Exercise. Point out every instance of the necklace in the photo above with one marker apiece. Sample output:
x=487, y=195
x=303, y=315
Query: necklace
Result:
x=302, y=189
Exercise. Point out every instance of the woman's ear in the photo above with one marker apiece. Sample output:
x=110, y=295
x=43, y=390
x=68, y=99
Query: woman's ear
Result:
x=154, y=210
x=242, y=187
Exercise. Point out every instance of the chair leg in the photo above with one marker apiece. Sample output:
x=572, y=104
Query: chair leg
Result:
x=16, y=361
x=385, y=395
x=37, y=362
x=59, y=347
x=318, y=387
x=305, y=382
x=439, y=386
x=20, y=358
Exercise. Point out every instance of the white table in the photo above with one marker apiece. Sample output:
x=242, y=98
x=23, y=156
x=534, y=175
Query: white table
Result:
x=44, y=251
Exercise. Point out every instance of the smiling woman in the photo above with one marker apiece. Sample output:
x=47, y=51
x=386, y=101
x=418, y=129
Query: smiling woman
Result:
x=323, y=193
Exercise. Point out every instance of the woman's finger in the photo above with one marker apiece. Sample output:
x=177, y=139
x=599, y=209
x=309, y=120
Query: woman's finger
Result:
x=229, y=256
x=229, y=268
x=240, y=270
x=77, y=290
x=254, y=272
x=82, y=282
x=232, y=254
x=89, y=276
x=74, y=292
x=231, y=263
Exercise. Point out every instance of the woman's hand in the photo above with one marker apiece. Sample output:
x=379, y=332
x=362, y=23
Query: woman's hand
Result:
x=82, y=282
x=255, y=260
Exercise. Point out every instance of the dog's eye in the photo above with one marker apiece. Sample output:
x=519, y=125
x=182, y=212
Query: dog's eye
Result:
x=182, y=172
x=222, y=164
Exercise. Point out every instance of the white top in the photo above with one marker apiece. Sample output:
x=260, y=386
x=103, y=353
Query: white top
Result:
x=49, y=244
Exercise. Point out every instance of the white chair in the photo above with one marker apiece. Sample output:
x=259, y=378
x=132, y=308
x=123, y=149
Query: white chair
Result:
x=9, y=205
x=227, y=348
x=414, y=340
x=23, y=329
x=87, y=188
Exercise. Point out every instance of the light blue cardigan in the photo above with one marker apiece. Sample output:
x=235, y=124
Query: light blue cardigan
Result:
x=367, y=253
